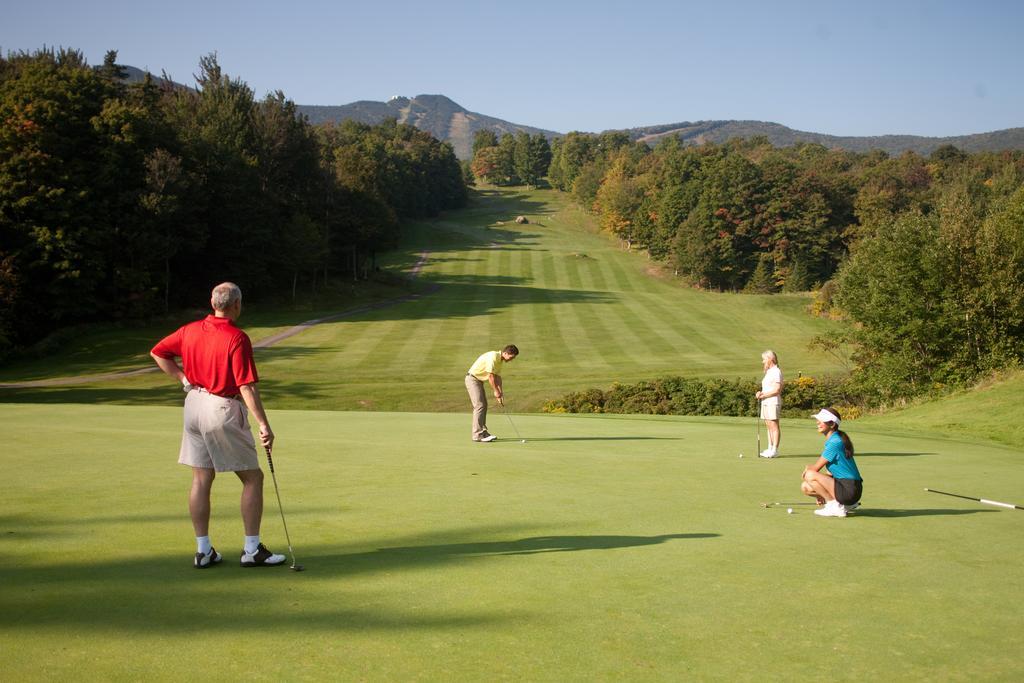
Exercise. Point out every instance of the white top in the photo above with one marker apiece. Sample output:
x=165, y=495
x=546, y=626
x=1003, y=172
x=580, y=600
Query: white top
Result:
x=771, y=382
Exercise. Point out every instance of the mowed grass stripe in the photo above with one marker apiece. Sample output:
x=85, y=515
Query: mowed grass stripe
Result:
x=549, y=345
x=621, y=279
x=602, y=338
x=413, y=330
x=430, y=327
x=656, y=344
x=566, y=316
x=699, y=327
x=625, y=309
x=416, y=333
x=590, y=274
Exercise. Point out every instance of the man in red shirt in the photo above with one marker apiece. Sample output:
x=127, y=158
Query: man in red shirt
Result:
x=219, y=376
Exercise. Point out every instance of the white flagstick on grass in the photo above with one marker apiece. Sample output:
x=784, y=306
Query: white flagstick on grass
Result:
x=986, y=501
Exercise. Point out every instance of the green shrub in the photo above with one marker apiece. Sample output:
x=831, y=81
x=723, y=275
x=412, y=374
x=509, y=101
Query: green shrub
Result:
x=684, y=396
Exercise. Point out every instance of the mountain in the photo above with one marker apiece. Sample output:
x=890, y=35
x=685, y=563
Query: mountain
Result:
x=702, y=132
x=435, y=114
x=449, y=121
x=134, y=75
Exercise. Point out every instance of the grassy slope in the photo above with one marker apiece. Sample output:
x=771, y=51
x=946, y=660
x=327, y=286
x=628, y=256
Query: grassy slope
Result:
x=606, y=548
x=583, y=312
x=990, y=411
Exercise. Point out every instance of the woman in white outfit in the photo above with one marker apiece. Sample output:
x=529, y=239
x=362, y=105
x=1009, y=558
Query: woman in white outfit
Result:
x=771, y=402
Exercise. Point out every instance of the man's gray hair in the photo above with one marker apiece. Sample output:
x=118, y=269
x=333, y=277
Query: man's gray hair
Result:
x=225, y=295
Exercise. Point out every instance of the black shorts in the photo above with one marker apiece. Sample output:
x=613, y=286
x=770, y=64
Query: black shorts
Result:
x=848, y=491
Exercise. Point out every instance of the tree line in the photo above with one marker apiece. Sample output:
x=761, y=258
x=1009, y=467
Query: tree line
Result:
x=515, y=159
x=122, y=200
x=922, y=256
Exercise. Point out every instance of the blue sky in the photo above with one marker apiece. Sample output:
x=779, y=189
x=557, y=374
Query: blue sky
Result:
x=845, y=68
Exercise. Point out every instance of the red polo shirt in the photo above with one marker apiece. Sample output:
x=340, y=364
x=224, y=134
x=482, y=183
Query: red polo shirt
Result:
x=215, y=354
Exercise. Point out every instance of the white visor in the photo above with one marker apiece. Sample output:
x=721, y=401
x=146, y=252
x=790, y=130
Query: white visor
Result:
x=825, y=416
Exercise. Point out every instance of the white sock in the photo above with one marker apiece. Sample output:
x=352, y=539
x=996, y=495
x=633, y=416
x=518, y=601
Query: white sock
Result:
x=203, y=545
x=251, y=543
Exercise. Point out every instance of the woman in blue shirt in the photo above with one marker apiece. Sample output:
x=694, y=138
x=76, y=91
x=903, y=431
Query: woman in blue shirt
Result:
x=840, y=488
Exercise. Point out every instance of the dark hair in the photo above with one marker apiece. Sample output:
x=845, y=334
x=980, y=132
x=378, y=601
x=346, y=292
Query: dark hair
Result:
x=511, y=348
x=847, y=443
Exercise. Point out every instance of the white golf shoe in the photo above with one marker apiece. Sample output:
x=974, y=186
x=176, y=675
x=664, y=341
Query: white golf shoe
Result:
x=768, y=453
x=833, y=508
x=261, y=558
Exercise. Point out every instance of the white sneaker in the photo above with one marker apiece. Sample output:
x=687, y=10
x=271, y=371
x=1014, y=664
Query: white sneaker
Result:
x=833, y=508
x=489, y=438
x=767, y=453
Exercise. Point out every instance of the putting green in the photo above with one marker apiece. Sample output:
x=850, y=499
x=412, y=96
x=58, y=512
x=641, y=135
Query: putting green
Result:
x=605, y=548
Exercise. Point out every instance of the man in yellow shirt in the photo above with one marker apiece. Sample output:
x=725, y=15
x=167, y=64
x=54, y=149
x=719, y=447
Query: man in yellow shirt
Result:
x=487, y=368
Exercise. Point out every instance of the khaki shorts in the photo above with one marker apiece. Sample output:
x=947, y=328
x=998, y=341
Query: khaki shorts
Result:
x=770, y=409
x=217, y=434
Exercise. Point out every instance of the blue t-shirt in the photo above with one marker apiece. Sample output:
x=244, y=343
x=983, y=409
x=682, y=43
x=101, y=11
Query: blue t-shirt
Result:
x=839, y=466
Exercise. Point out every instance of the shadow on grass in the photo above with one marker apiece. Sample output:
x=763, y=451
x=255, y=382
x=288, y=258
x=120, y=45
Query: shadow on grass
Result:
x=164, y=594
x=600, y=438
x=278, y=352
x=164, y=395
x=920, y=512
x=857, y=455
x=533, y=546
x=153, y=396
x=472, y=296
x=501, y=201
x=410, y=557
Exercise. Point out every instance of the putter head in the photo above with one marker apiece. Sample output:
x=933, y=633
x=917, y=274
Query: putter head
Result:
x=297, y=568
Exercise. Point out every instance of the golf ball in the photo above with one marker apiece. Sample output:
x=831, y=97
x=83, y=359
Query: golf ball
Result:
x=789, y=510
x=522, y=441
x=741, y=455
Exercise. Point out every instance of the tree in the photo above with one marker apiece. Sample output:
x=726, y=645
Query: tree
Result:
x=52, y=179
x=574, y=151
x=506, y=161
x=485, y=164
x=761, y=280
x=483, y=138
x=893, y=287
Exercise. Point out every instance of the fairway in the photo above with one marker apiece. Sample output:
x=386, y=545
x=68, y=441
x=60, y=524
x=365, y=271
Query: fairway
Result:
x=583, y=312
x=605, y=548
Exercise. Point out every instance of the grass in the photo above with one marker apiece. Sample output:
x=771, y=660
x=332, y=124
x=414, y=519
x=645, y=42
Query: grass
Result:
x=605, y=548
x=989, y=411
x=582, y=311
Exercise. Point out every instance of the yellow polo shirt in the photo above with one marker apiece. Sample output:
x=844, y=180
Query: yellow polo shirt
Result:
x=488, y=363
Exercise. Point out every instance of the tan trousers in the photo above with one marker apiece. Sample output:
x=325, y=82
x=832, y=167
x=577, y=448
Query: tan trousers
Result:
x=478, y=397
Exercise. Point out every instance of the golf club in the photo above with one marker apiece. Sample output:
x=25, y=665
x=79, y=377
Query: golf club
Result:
x=270, y=461
x=980, y=500
x=504, y=409
x=769, y=505
x=757, y=420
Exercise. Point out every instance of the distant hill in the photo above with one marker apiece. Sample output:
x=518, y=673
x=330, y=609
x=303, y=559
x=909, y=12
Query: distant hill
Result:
x=435, y=114
x=449, y=121
x=138, y=75
x=702, y=132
